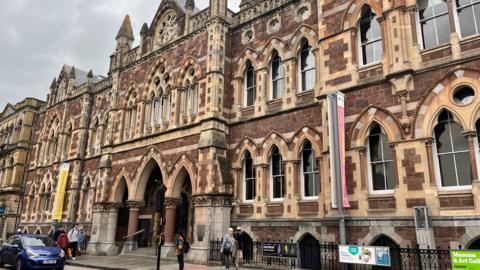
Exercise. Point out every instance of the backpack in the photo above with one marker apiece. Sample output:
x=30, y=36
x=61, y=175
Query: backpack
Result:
x=186, y=247
x=227, y=248
x=62, y=241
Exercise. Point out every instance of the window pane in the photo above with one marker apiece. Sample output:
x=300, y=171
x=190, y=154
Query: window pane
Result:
x=425, y=13
x=440, y=7
x=275, y=69
x=304, y=60
x=443, y=29
x=428, y=34
x=310, y=79
x=308, y=184
x=367, y=53
x=374, y=147
x=365, y=34
x=459, y=141
x=447, y=170
x=250, y=78
x=307, y=158
x=477, y=127
x=278, y=187
x=465, y=18
x=310, y=59
x=376, y=31
x=390, y=170
x=250, y=96
x=316, y=180
x=377, y=46
x=476, y=10
x=249, y=168
x=463, y=168
x=387, y=150
x=250, y=189
x=378, y=177
x=442, y=138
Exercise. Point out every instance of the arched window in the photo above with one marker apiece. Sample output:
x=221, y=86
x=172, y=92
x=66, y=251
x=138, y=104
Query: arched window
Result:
x=468, y=13
x=191, y=99
x=152, y=110
x=307, y=67
x=250, y=85
x=380, y=158
x=166, y=102
x=277, y=175
x=133, y=119
x=86, y=196
x=68, y=141
x=41, y=206
x=48, y=196
x=310, y=173
x=452, y=151
x=276, y=72
x=434, y=22
x=249, y=179
x=94, y=139
x=370, y=37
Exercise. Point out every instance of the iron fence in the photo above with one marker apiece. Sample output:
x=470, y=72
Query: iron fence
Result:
x=325, y=256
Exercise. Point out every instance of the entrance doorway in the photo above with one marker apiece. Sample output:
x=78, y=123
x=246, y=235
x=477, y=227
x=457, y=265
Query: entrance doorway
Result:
x=247, y=248
x=184, y=212
x=395, y=257
x=475, y=244
x=147, y=223
x=123, y=216
x=309, y=252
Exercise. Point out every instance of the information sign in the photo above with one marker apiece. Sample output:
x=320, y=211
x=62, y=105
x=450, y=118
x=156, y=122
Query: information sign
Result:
x=465, y=259
x=288, y=250
x=364, y=255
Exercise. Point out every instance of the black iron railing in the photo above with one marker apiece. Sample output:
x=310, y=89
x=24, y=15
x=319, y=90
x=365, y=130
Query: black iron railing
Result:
x=325, y=256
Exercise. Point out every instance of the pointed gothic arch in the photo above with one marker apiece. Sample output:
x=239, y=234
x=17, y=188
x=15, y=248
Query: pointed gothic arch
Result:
x=302, y=135
x=274, y=139
x=182, y=167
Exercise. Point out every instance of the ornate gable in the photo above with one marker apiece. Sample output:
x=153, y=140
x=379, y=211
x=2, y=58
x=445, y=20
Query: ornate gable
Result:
x=168, y=23
x=9, y=109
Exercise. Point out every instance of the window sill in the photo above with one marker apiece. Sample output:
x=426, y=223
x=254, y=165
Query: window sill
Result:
x=381, y=195
x=369, y=66
x=434, y=49
x=454, y=191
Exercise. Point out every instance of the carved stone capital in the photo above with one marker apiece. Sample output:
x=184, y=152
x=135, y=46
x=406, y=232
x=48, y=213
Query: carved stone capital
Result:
x=106, y=206
x=172, y=203
x=135, y=204
x=222, y=200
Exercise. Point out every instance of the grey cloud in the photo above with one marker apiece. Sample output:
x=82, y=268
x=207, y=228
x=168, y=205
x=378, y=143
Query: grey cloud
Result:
x=38, y=37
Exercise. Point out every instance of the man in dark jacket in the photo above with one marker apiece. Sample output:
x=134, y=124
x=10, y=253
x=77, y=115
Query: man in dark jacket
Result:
x=59, y=231
x=240, y=237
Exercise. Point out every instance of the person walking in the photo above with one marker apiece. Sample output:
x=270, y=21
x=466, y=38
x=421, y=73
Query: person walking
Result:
x=62, y=241
x=180, y=250
x=59, y=231
x=228, y=248
x=81, y=240
x=73, y=240
x=240, y=237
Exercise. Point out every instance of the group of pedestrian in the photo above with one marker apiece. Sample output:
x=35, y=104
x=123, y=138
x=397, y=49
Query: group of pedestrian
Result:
x=232, y=247
x=73, y=242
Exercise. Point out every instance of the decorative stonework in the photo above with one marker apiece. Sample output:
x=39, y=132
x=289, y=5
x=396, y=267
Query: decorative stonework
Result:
x=168, y=28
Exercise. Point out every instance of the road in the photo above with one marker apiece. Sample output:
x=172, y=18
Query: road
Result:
x=68, y=267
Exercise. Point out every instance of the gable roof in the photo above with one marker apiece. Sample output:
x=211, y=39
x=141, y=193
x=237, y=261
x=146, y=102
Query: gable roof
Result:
x=8, y=110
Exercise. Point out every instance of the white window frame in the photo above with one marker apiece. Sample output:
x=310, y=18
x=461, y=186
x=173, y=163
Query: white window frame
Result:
x=271, y=178
x=246, y=88
x=438, y=174
x=244, y=180
x=420, y=33
x=458, y=28
x=360, y=45
x=302, y=175
x=280, y=79
x=370, y=173
x=300, y=71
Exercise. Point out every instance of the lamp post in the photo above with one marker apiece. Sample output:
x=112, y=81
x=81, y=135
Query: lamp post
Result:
x=160, y=208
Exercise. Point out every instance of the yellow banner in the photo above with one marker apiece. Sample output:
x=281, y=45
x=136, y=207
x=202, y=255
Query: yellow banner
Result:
x=60, y=194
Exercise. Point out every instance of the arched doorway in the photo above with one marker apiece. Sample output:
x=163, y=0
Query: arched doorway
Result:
x=247, y=248
x=123, y=214
x=475, y=244
x=395, y=257
x=148, y=219
x=309, y=252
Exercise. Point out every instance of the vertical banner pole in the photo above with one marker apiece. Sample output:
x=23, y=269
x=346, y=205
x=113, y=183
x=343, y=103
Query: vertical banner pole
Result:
x=336, y=164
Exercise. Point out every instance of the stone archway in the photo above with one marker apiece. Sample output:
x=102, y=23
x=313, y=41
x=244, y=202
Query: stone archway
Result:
x=179, y=210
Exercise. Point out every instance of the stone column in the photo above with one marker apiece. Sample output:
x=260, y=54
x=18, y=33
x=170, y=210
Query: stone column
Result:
x=471, y=136
x=104, y=228
x=131, y=244
x=430, y=157
x=171, y=205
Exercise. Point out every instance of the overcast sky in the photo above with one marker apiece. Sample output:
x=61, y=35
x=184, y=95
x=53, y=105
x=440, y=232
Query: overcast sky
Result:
x=38, y=37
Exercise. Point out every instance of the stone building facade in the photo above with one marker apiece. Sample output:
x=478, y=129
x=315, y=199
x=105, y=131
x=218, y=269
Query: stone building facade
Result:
x=228, y=110
x=16, y=137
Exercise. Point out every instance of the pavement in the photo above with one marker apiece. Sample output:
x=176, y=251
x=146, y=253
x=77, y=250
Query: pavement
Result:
x=125, y=262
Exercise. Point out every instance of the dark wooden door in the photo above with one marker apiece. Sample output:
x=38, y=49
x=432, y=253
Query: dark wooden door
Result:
x=309, y=253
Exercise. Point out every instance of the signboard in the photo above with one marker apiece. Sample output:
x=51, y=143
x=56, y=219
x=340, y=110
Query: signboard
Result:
x=60, y=193
x=287, y=250
x=364, y=255
x=336, y=125
x=465, y=259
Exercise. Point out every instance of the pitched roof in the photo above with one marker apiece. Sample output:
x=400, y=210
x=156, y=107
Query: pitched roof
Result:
x=80, y=76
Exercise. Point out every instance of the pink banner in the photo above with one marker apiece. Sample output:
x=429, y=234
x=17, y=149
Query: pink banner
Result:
x=341, y=142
